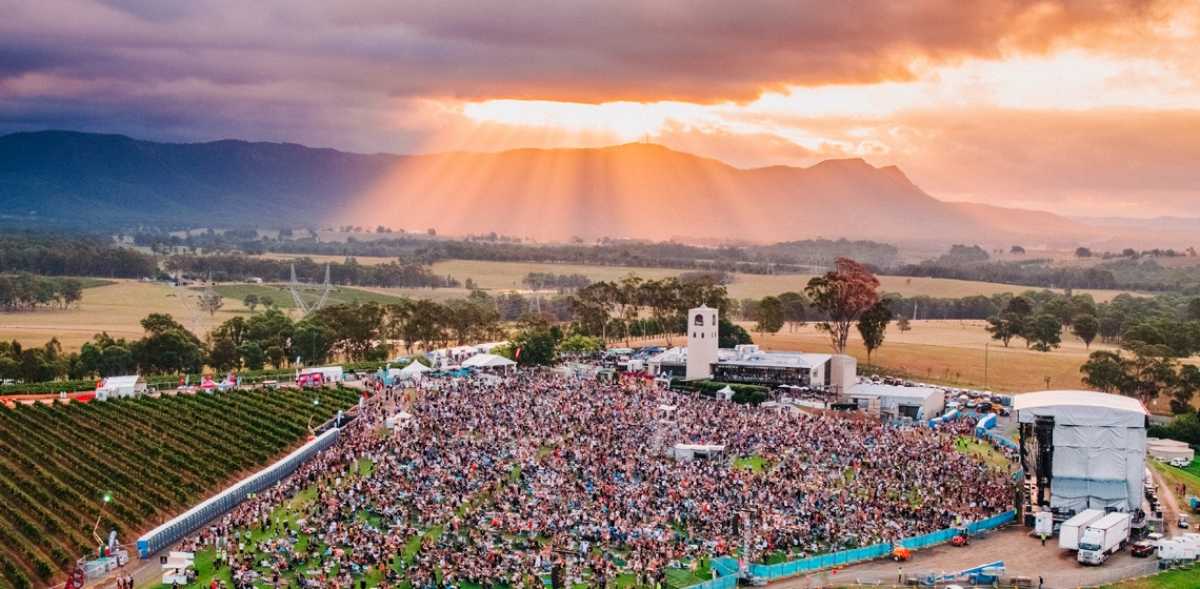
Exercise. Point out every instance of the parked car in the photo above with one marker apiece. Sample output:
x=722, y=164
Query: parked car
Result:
x=1142, y=549
x=1180, y=462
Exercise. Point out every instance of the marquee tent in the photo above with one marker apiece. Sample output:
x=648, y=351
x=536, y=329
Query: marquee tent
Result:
x=413, y=371
x=487, y=361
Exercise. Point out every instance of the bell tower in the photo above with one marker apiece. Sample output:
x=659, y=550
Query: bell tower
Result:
x=702, y=342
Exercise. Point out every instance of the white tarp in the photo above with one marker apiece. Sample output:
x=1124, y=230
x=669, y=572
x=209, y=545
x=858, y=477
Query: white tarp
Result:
x=414, y=370
x=487, y=361
x=1099, y=447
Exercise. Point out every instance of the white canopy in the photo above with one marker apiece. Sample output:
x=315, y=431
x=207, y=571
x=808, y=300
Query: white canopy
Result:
x=414, y=368
x=487, y=361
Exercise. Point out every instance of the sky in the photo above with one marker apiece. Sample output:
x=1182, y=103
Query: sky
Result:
x=1081, y=107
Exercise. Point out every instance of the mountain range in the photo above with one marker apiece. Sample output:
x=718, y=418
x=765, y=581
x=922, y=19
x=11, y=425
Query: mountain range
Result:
x=633, y=190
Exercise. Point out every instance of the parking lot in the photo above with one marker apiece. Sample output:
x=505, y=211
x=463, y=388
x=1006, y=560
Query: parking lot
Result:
x=1023, y=556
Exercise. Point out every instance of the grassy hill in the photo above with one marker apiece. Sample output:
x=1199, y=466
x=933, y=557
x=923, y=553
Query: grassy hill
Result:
x=60, y=462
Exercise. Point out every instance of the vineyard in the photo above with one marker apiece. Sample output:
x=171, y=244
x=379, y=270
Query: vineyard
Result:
x=152, y=457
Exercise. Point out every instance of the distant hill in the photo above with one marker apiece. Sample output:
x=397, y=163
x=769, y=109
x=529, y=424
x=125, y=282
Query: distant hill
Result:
x=633, y=190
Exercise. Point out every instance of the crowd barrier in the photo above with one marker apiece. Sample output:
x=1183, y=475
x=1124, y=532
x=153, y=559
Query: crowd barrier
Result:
x=177, y=527
x=1002, y=440
x=727, y=574
x=814, y=563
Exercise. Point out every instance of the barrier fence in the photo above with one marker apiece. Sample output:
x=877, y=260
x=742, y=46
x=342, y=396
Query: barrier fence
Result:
x=175, y=528
x=771, y=572
x=727, y=574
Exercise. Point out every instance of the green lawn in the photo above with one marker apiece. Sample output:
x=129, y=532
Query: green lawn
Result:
x=1188, y=578
x=282, y=297
x=983, y=452
x=753, y=463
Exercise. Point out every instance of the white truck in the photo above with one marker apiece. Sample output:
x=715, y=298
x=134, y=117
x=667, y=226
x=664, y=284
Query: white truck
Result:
x=1070, y=530
x=1179, y=549
x=1103, y=538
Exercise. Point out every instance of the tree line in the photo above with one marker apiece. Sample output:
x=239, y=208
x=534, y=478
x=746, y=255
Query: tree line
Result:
x=27, y=292
x=222, y=268
x=53, y=254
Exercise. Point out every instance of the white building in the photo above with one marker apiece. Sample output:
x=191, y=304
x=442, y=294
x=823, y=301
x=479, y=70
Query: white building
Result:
x=1084, y=449
x=116, y=387
x=916, y=403
x=702, y=342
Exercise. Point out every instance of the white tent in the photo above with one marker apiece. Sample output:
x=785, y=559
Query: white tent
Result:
x=413, y=371
x=487, y=361
x=725, y=393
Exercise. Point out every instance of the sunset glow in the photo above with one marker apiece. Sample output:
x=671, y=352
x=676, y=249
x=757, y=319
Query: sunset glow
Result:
x=1050, y=105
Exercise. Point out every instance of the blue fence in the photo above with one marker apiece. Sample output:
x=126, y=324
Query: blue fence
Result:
x=1002, y=440
x=177, y=527
x=727, y=574
x=815, y=563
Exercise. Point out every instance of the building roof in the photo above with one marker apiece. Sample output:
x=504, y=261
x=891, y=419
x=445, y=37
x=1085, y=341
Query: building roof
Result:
x=678, y=355
x=778, y=360
x=487, y=361
x=120, y=381
x=870, y=389
x=1081, y=408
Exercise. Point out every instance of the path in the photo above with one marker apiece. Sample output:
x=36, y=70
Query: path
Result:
x=1022, y=555
x=1169, y=502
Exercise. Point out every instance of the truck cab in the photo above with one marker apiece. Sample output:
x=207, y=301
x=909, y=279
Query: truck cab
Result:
x=1103, y=538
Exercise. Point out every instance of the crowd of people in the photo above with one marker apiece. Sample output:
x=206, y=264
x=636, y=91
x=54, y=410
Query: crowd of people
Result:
x=500, y=481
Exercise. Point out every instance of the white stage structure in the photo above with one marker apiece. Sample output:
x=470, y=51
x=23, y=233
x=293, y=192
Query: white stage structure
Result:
x=1086, y=449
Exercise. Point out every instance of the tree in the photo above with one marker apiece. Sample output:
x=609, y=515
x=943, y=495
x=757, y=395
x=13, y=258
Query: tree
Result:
x=873, y=325
x=903, y=325
x=842, y=296
x=1105, y=371
x=1045, y=332
x=71, y=291
x=251, y=301
x=210, y=302
x=1005, y=326
x=730, y=334
x=1083, y=252
x=1017, y=250
x=770, y=315
x=312, y=341
x=580, y=345
x=1193, y=309
x=1085, y=327
x=536, y=344
x=223, y=354
x=794, y=305
x=252, y=355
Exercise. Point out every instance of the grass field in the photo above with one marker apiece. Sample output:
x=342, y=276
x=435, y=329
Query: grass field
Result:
x=1185, y=578
x=116, y=307
x=982, y=452
x=282, y=297
x=508, y=275
x=953, y=353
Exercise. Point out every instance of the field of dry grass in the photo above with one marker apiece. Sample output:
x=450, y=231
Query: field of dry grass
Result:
x=507, y=276
x=116, y=308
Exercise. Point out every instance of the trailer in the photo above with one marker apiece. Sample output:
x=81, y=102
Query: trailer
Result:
x=1070, y=530
x=1103, y=538
x=328, y=373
